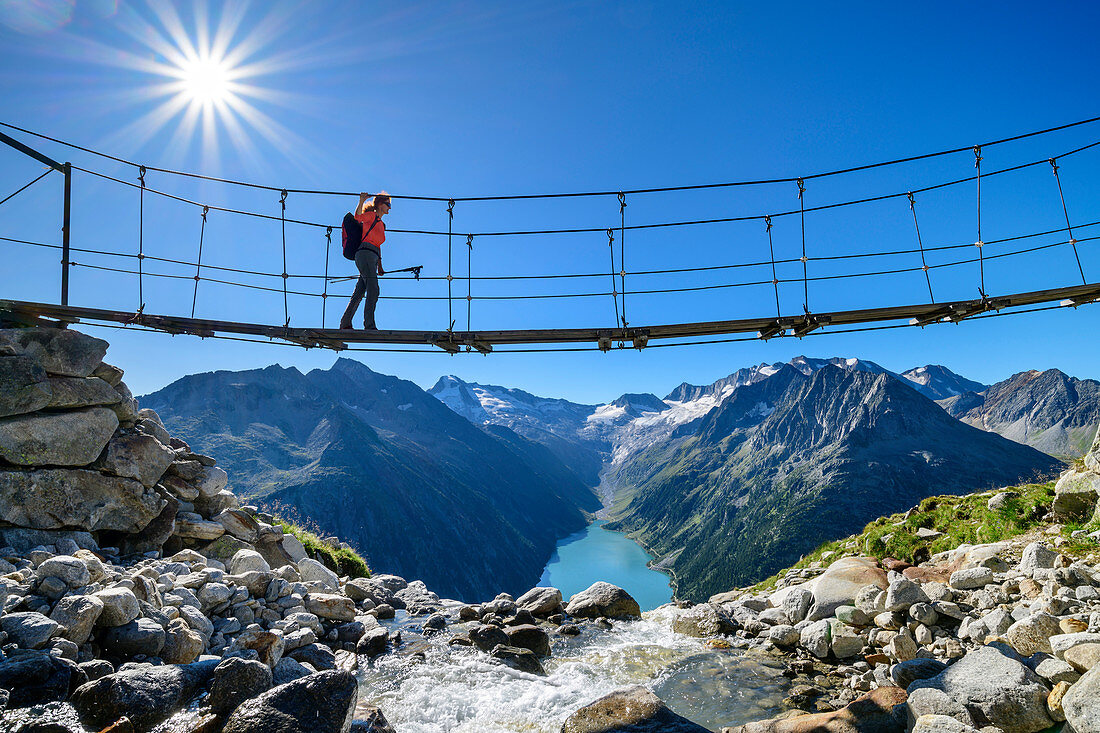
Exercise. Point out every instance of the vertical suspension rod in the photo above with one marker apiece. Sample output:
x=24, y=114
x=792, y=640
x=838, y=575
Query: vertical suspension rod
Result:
x=198, y=262
x=450, y=276
x=286, y=306
x=141, y=239
x=924, y=264
x=614, y=285
x=805, y=272
x=771, y=253
x=324, y=286
x=469, y=278
x=1072, y=240
x=979, y=244
x=66, y=217
x=622, y=252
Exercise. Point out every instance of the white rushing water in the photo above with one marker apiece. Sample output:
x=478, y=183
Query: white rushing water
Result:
x=427, y=686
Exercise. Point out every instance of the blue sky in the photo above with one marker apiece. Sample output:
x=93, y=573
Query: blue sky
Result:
x=466, y=99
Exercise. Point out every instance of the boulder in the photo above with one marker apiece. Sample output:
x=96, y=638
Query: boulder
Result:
x=529, y=636
x=630, y=710
x=70, y=570
x=153, y=536
x=214, y=480
x=331, y=606
x=1059, y=643
x=1032, y=634
x=214, y=505
x=942, y=723
x=73, y=392
x=269, y=645
x=36, y=677
x=969, y=578
x=320, y=703
x=1081, y=705
x=138, y=456
x=906, y=673
x=371, y=720
x=182, y=645
x=73, y=438
x=797, y=603
x=60, y=498
x=904, y=593
x=704, y=620
x=240, y=524
x=146, y=695
x=1082, y=657
x=839, y=585
x=237, y=680
x=876, y=712
x=603, y=599
x=523, y=660
x=418, y=600
x=77, y=616
x=29, y=629
x=247, y=560
x=140, y=636
x=57, y=350
x=120, y=606
x=374, y=641
x=994, y=688
x=844, y=641
x=929, y=701
x=486, y=637
x=225, y=547
x=1075, y=494
x=24, y=386
x=814, y=638
x=197, y=529
x=541, y=602
x=315, y=655
x=293, y=547
x=311, y=570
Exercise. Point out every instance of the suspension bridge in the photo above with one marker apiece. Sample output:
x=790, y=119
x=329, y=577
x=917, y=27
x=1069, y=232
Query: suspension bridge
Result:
x=1076, y=236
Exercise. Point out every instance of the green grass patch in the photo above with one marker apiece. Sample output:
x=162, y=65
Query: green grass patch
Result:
x=340, y=560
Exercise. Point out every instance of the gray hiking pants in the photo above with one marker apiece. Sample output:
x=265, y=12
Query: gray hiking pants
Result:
x=366, y=259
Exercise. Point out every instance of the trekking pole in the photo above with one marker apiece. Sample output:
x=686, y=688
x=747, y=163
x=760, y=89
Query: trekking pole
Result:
x=415, y=270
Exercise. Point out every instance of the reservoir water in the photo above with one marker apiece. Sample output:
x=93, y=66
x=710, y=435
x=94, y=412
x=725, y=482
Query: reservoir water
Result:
x=599, y=554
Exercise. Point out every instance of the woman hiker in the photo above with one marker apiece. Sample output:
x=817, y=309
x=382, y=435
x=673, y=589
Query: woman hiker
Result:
x=368, y=258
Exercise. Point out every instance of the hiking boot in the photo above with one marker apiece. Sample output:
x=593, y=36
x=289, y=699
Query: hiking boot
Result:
x=346, y=326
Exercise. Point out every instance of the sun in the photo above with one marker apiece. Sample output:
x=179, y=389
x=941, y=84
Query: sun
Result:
x=206, y=80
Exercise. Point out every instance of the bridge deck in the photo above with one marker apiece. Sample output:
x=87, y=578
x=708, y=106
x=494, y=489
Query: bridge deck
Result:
x=927, y=313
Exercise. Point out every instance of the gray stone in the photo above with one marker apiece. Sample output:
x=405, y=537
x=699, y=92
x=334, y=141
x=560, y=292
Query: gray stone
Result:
x=797, y=603
x=138, y=456
x=268, y=645
x=182, y=645
x=237, y=680
x=630, y=709
x=1053, y=670
x=33, y=678
x=146, y=695
x=293, y=547
x=73, y=438
x=844, y=641
x=120, y=606
x=239, y=524
x=704, y=620
x=839, y=585
x=29, y=630
x=213, y=595
x=77, y=616
x=72, y=392
x=995, y=689
x=523, y=660
x=23, y=539
x=924, y=613
x=902, y=594
x=288, y=670
x=814, y=638
x=331, y=606
x=320, y=703
x=529, y=636
x=246, y=561
x=419, y=600
x=969, y=578
x=906, y=673
x=603, y=599
x=112, y=375
x=72, y=571
x=311, y=570
x=784, y=636
x=197, y=529
x=58, y=350
x=24, y=386
x=1060, y=643
x=1081, y=705
x=213, y=481
x=942, y=723
x=541, y=602
x=315, y=655
x=1075, y=494
x=1033, y=633
x=59, y=498
x=141, y=636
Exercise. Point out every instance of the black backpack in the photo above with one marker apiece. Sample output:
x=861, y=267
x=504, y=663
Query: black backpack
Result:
x=352, y=233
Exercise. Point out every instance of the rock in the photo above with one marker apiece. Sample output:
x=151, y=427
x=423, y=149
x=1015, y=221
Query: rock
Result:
x=77, y=616
x=36, y=677
x=197, y=529
x=814, y=638
x=293, y=547
x=996, y=689
x=541, y=602
x=74, y=392
x=1054, y=701
x=288, y=670
x=371, y=720
x=120, y=606
x=844, y=641
x=999, y=500
x=929, y=701
x=72, y=571
x=1075, y=494
x=331, y=606
x=905, y=673
x=247, y=560
x=784, y=636
x=315, y=655
x=1059, y=643
x=528, y=636
x=603, y=599
x=1081, y=705
x=704, y=620
x=138, y=456
x=269, y=645
x=839, y=585
x=796, y=603
x=1036, y=555
x=216, y=504
x=942, y=723
x=237, y=680
x=373, y=642
x=486, y=637
x=523, y=660
x=311, y=570
x=29, y=629
x=112, y=375
x=902, y=648
x=24, y=386
x=224, y=548
x=320, y=703
x=419, y=600
x=146, y=695
x=239, y=524
x=1082, y=657
x=57, y=350
x=213, y=481
x=72, y=438
x=60, y=498
x=182, y=645
x=904, y=593
x=971, y=578
x=630, y=710
x=140, y=636
x=870, y=713
x=1032, y=634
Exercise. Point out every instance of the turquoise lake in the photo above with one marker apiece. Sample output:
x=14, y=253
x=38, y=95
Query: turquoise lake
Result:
x=598, y=554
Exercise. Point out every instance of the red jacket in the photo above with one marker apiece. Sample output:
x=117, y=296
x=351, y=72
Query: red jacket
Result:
x=378, y=234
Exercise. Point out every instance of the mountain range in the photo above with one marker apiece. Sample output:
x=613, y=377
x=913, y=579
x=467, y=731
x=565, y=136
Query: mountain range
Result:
x=469, y=485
